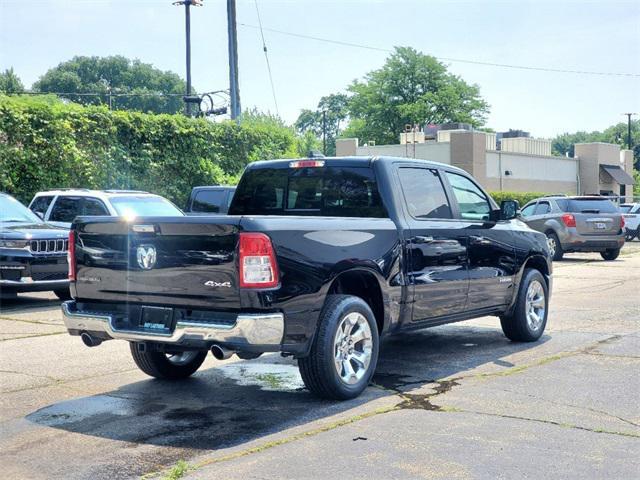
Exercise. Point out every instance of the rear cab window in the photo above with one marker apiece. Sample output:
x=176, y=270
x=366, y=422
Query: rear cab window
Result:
x=330, y=191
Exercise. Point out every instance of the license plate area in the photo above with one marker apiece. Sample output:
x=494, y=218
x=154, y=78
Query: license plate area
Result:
x=156, y=319
x=601, y=226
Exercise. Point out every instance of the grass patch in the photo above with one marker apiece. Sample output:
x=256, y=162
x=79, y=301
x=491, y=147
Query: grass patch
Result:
x=271, y=379
x=177, y=471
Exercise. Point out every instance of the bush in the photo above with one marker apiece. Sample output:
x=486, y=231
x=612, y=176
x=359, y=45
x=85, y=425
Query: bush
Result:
x=521, y=197
x=45, y=144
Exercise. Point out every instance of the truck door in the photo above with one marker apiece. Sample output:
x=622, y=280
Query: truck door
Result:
x=492, y=255
x=436, y=251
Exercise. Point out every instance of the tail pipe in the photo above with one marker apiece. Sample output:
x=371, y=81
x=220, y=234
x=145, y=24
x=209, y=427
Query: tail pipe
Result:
x=221, y=353
x=89, y=340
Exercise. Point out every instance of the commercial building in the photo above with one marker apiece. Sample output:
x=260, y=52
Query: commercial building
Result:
x=503, y=162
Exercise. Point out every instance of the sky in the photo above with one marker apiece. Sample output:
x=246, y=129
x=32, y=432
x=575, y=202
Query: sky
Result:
x=598, y=36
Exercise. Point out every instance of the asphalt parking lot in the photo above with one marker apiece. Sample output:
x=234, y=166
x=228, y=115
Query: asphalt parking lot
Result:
x=452, y=402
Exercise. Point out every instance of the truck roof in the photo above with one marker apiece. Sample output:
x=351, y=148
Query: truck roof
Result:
x=353, y=161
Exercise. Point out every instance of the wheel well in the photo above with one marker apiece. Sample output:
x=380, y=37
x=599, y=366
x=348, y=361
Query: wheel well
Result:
x=538, y=263
x=364, y=285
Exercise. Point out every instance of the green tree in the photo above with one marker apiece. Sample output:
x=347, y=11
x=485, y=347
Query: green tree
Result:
x=149, y=89
x=565, y=143
x=10, y=82
x=411, y=88
x=327, y=119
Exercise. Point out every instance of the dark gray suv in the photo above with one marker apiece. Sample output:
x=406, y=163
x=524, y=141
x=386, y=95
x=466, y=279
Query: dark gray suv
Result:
x=577, y=224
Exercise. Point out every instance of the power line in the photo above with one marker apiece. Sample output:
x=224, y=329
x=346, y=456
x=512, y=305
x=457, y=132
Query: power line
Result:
x=103, y=94
x=266, y=57
x=446, y=59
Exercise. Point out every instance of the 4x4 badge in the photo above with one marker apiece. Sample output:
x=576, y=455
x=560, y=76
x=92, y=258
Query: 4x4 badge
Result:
x=211, y=283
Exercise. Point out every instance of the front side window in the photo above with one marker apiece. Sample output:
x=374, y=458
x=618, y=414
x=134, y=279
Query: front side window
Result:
x=424, y=193
x=41, y=204
x=65, y=209
x=528, y=210
x=472, y=201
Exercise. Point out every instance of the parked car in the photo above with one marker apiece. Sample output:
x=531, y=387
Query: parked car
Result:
x=317, y=259
x=210, y=200
x=577, y=224
x=33, y=254
x=60, y=207
x=631, y=214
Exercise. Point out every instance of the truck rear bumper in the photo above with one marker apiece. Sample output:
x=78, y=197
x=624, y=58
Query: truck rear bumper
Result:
x=263, y=330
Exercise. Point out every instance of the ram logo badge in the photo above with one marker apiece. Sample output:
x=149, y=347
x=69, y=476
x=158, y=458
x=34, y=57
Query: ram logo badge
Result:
x=213, y=284
x=147, y=256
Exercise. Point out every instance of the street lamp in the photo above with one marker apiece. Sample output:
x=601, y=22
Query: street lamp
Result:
x=187, y=23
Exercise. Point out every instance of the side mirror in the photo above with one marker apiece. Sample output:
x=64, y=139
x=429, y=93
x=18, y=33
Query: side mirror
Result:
x=509, y=209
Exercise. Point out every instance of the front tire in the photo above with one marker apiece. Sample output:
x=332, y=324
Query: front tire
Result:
x=527, y=321
x=167, y=366
x=611, y=254
x=344, y=352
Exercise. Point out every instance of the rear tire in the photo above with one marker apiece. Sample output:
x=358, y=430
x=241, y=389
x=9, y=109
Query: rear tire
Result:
x=165, y=366
x=610, y=254
x=630, y=234
x=555, y=247
x=63, y=294
x=527, y=321
x=344, y=352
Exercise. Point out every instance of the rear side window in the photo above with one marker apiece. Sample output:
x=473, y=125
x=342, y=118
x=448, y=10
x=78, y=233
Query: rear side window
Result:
x=65, y=209
x=41, y=204
x=543, y=208
x=94, y=207
x=472, y=201
x=424, y=193
x=208, y=201
x=591, y=205
x=323, y=191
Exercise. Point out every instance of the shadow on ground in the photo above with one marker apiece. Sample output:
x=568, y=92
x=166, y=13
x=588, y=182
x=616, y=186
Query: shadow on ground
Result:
x=235, y=403
x=25, y=302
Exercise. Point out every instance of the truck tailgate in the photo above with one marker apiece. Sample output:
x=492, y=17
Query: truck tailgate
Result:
x=181, y=261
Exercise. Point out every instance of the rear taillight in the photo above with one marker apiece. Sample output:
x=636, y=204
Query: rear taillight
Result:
x=622, y=222
x=569, y=220
x=71, y=255
x=258, y=268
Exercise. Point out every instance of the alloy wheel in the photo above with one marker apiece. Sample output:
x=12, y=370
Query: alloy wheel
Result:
x=352, y=348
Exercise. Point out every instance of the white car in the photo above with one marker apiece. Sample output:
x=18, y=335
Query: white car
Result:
x=631, y=214
x=60, y=207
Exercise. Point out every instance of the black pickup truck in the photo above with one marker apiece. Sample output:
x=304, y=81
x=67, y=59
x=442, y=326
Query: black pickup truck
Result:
x=318, y=259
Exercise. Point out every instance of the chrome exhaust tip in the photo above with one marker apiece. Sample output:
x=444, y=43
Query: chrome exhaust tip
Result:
x=89, y=340
x=221, y=353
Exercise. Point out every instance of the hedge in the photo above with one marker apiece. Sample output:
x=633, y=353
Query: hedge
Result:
x=46, y=144
x=521, y=197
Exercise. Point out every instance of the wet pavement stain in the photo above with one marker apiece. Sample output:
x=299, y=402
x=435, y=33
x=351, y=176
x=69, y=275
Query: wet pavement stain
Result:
x=419, y=401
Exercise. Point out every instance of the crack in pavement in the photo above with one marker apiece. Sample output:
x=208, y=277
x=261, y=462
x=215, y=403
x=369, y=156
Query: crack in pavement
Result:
x=29, y=336
x=562, y=404
x=551, y=422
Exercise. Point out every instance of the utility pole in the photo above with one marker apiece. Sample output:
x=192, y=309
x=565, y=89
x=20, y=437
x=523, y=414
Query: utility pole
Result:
x=629, y=146
x=324, y=132
x=187, y=26
x=232, y=32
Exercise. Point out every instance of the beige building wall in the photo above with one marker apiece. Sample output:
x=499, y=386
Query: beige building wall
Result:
x=626, y=160
x=590, y=157
x=433, y=151
x=468, y=151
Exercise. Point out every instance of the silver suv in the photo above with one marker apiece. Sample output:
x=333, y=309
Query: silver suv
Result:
x=577, y=224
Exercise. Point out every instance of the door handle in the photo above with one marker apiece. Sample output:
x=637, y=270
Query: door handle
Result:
x=423, y=239
x=477, y=240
